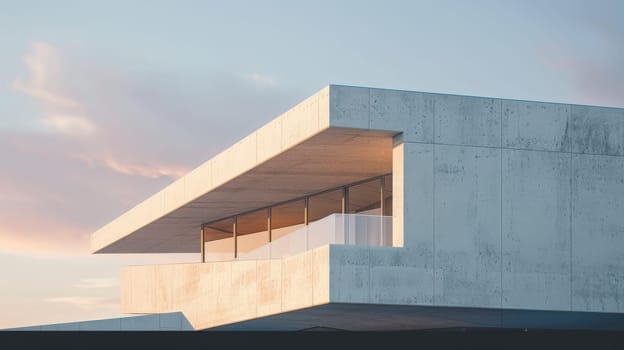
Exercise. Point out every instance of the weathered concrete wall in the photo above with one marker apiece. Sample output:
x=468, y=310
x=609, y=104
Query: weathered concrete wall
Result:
x=379, y=275
x=467, y=225
x=218, y=293
x=501, y=203
x=230, y=293
x=597, y=233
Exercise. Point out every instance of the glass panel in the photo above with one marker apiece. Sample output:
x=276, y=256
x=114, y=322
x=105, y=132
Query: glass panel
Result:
x=218, y=230
x=260, y=253
x=252, y=233
x=219, y=239
x=387, y=231
x=324, y=204
x=370, y=230
x=294, y=242
x=388, y=195
x=288, y=231
x=365, y=198
x=252, y=222
x=286, y=218
x=324, y=231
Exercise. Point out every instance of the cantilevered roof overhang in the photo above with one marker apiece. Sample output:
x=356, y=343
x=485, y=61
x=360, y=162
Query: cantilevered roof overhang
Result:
x=323, y=142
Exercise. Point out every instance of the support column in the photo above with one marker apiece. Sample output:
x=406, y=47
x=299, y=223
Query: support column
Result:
x=235, y=234
x=269, y=214
x=382, y=205
x=203, y=244
x=382, y=209
x=269, y=230
x=306, y=203
x=345, y=210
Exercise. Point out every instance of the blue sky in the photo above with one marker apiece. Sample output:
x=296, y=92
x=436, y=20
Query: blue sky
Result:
x=104, y=103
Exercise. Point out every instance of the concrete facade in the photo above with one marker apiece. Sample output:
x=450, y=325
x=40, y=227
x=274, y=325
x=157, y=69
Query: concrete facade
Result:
x=514, y=204
x=497, y=204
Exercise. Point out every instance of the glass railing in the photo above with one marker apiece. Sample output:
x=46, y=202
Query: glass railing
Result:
x=349, y=229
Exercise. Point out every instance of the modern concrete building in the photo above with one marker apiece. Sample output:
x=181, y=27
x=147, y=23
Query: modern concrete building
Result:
x=375, y=209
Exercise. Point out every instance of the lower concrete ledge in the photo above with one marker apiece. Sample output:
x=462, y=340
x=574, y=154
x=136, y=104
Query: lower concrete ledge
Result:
x=219, y=293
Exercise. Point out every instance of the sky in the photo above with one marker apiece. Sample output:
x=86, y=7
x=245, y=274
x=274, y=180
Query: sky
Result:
x=104, y=103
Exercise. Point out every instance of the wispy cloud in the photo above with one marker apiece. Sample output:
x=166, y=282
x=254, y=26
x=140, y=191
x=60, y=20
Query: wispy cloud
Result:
x=146, y=170
x=10, y=194
x=111, y=138
x=86, y=303
x=597, y=75
x=43, y=64
x=69, y=124
x=62, y=113
x=49, y=239
x=263, y=80
x=93, y=283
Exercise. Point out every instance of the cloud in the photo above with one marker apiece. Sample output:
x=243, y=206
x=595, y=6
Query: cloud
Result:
x=263, y=80
x=62, y=113
x=10, y=194
x=51, y=202
x=46, y=238
x=597, y=75
x=87, y=303
x=69, y=124
x=151, y=171
x=43, y=95
x=92, y=283
x=58, y=85
x=110, y=137
x=43, y=64
x=595, y=82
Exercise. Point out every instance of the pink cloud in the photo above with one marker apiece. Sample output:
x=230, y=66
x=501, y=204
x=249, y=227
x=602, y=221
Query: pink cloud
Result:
x=69, y=124
x=96, y=283
x=55, y=241
x=152, y=171
x=44, y=66
x=61, y=113
x=50, y=202
x=597, y=76
x=109, y=139
x=65, y=112
x=86, y=302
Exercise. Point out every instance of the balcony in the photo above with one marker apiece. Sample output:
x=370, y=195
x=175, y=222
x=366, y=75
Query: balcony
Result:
x=271, y=260
x=348, y=229
x=354, y=214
